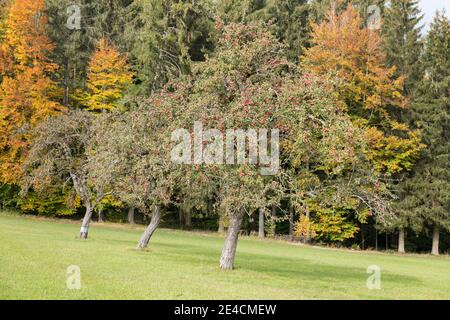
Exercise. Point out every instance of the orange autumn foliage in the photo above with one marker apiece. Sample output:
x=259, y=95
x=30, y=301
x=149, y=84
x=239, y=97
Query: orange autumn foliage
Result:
x=26, y=90
x=355, y=56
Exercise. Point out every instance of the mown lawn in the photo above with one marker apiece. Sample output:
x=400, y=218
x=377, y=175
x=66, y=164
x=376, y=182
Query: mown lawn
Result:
x=35, y=254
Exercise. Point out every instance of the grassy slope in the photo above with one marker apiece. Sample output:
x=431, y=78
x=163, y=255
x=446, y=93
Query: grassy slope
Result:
x=34, y=255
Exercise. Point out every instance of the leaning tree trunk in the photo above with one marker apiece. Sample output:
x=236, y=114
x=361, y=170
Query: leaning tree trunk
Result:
x=435, y=248
x=401, y=240
x=131, y=215
x=261, y=224
x=85, y=224
x=229, y=248
x=145, y=238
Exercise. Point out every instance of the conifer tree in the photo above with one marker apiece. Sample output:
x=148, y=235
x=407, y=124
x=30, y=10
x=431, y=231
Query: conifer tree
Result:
x=288, y=20
x=289, y=23
x=235, y=11
x=367, y=9
x=426, y=195
x=164, y=37
x=402, y=33
x=402, y=41
x=76, y=28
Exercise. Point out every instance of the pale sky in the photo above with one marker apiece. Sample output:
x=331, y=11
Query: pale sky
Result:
x=429, y=8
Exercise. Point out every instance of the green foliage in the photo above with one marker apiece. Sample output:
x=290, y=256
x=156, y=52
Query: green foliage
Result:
x=288, y=20
x=61, y=157
x=270, y=225
x=425, y=198
x=402, y=40
x=290, y=24
x=239, y=11
x=319, y=8
x=101, y=18
x=135, y=164
x=9, y=195
x=46, y=204
x=165, y=37
x=346, y=133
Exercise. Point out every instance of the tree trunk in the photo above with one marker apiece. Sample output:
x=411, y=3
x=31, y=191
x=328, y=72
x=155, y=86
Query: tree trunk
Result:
x=363, y=238
x=131, y=215
x=100, y=215
x=401, y=240
x=435, y=248
x=145, y=238
x=188, y=218
x=221, y=225
x=181, y=217
x=308, y=234
x=376, y=240
x=66, y=84
x=291, y=221
x=387, y=242
x=85, y=224
x=229, y=248
x=261, y=224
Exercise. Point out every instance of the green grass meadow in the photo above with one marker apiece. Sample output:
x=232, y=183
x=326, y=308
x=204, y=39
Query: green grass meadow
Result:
x=35, y=254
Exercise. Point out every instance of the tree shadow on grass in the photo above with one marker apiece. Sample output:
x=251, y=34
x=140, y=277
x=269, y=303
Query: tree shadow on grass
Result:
x=284, y=269
x=308, y=269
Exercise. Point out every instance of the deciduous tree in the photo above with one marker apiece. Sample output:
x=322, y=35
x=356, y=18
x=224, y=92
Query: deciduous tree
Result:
x=60, y=155
x=27, y=92
x=249, y=84
x=108, y=78
x=134, y=148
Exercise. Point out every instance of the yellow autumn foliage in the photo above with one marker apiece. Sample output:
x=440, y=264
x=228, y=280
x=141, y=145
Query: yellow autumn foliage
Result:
x=108, y=78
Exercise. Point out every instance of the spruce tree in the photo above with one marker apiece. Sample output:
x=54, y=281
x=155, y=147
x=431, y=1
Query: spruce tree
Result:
x=237, y=11
x=402, y=41
x=165, y=37
x=402, y=37
x=288, y=20
x=427, y=193
x=289, y=23
x=76, y=42
x=366, y=8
